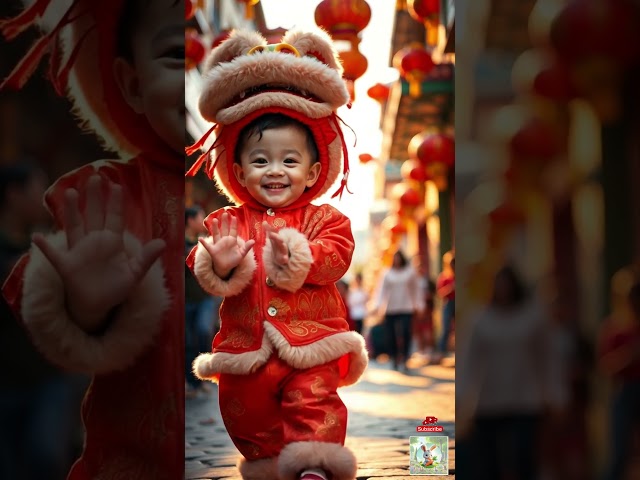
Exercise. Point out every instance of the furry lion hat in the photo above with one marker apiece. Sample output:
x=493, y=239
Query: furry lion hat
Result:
x=244, y=78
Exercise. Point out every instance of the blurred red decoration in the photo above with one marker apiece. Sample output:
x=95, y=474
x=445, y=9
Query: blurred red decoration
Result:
x=343, y=19
x=410, y=198
x=554, y=82
x=587, y=28
x=379, y=92
x=421, y=10
x=428, y=13
x=194, y=49
x=190, y=8
x=394, y=225
x=507, y=214
x=535, y=140
x=414, y=170
x=433, y=148
x=365, y=158
x=414, y=64
x=221, y=37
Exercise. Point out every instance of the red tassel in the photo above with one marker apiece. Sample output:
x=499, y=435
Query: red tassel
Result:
x=197, y=165
x=21, y=73
x=193, y=148
x=346, y=170
x=12, y=27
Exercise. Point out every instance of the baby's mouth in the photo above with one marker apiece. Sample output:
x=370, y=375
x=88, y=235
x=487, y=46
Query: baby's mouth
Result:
x=275, y=186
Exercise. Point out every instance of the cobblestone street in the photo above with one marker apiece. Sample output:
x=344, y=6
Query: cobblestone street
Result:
x=384, y=409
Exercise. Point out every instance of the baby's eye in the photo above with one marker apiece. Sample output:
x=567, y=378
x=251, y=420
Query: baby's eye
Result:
x=259, y=161
x=290, y=161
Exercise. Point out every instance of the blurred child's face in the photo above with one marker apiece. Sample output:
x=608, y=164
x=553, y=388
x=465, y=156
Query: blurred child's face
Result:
x=277, y=168
x=153, y=83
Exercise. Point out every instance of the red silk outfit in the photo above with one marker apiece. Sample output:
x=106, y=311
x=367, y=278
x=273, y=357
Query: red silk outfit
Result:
x=294, y=347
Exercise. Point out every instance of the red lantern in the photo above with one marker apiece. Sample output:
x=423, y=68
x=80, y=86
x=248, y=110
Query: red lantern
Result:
x=428, y=13
x=535, y=140
x=554, y=83
x=379, y=92
x=194, y=50
x=354, y=65
x=433, y=148
x=365, y=158
x=343, y=19
x=414, y=63
x=413, y=170
x=422, y=10
x=410, y=198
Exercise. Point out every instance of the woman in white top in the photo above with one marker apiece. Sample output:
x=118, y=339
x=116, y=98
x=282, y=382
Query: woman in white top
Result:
x=357, y=300
x=399, y=297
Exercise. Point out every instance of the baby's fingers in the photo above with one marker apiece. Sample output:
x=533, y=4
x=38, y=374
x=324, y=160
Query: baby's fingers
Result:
x=150, y=253
x=207, y=246
x=248, y=245
x=73, y=224
x=55, y=257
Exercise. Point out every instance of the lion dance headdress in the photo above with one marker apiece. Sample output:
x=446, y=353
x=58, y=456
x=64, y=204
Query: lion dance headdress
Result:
x=245, y=78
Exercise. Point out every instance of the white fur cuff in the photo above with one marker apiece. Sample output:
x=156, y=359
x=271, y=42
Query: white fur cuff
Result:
x=208, y=366
x=322, y=351
x=331, y=457
x=292, y=276
x=64, y=343
x=265, y=469
x=240, y=278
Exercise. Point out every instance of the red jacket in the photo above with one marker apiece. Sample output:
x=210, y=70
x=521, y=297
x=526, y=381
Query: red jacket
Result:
x=295, y=311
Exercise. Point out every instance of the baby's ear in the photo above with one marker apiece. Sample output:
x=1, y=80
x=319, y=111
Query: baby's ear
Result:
x=238, y=43
x=317, y=44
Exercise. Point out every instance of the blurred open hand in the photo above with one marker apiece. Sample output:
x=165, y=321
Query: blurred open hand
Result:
x=97, y=273
x=278, y=246
x=228, y=249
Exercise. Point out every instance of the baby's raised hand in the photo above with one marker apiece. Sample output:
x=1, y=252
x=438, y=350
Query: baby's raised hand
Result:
x=228, y=249
x=97, y=272
x=278, y=246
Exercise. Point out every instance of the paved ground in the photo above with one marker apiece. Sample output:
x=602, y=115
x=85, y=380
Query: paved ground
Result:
x=384, y=409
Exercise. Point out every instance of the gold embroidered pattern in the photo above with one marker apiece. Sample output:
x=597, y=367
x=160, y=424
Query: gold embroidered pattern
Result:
x=279, y=223
x=318, y=387
x=295, y=397
x=239, y=339
x=332, y=268
x=331, y=422
x=302, y=328
x=280, y=304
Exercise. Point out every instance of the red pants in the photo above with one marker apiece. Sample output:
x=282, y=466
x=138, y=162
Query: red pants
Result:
x=278, y=405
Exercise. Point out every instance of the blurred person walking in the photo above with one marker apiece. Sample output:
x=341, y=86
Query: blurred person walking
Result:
x=505, y=384
x=201, y=309
x=446, y=290
x=400, y=300
x=619, y=359
x=38, y=427
x=357, y=300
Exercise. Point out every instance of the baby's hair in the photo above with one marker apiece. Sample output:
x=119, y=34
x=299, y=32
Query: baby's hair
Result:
x=274, y=120
x=130, y=17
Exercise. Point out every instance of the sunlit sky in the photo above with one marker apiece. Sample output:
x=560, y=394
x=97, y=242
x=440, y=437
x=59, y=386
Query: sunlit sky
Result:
x=364, y=116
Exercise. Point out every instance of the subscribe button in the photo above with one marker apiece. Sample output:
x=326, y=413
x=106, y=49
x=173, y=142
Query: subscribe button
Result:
x=429, y=428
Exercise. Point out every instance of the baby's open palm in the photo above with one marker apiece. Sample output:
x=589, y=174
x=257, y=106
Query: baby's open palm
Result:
x=227, y=249
x=97, y=272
